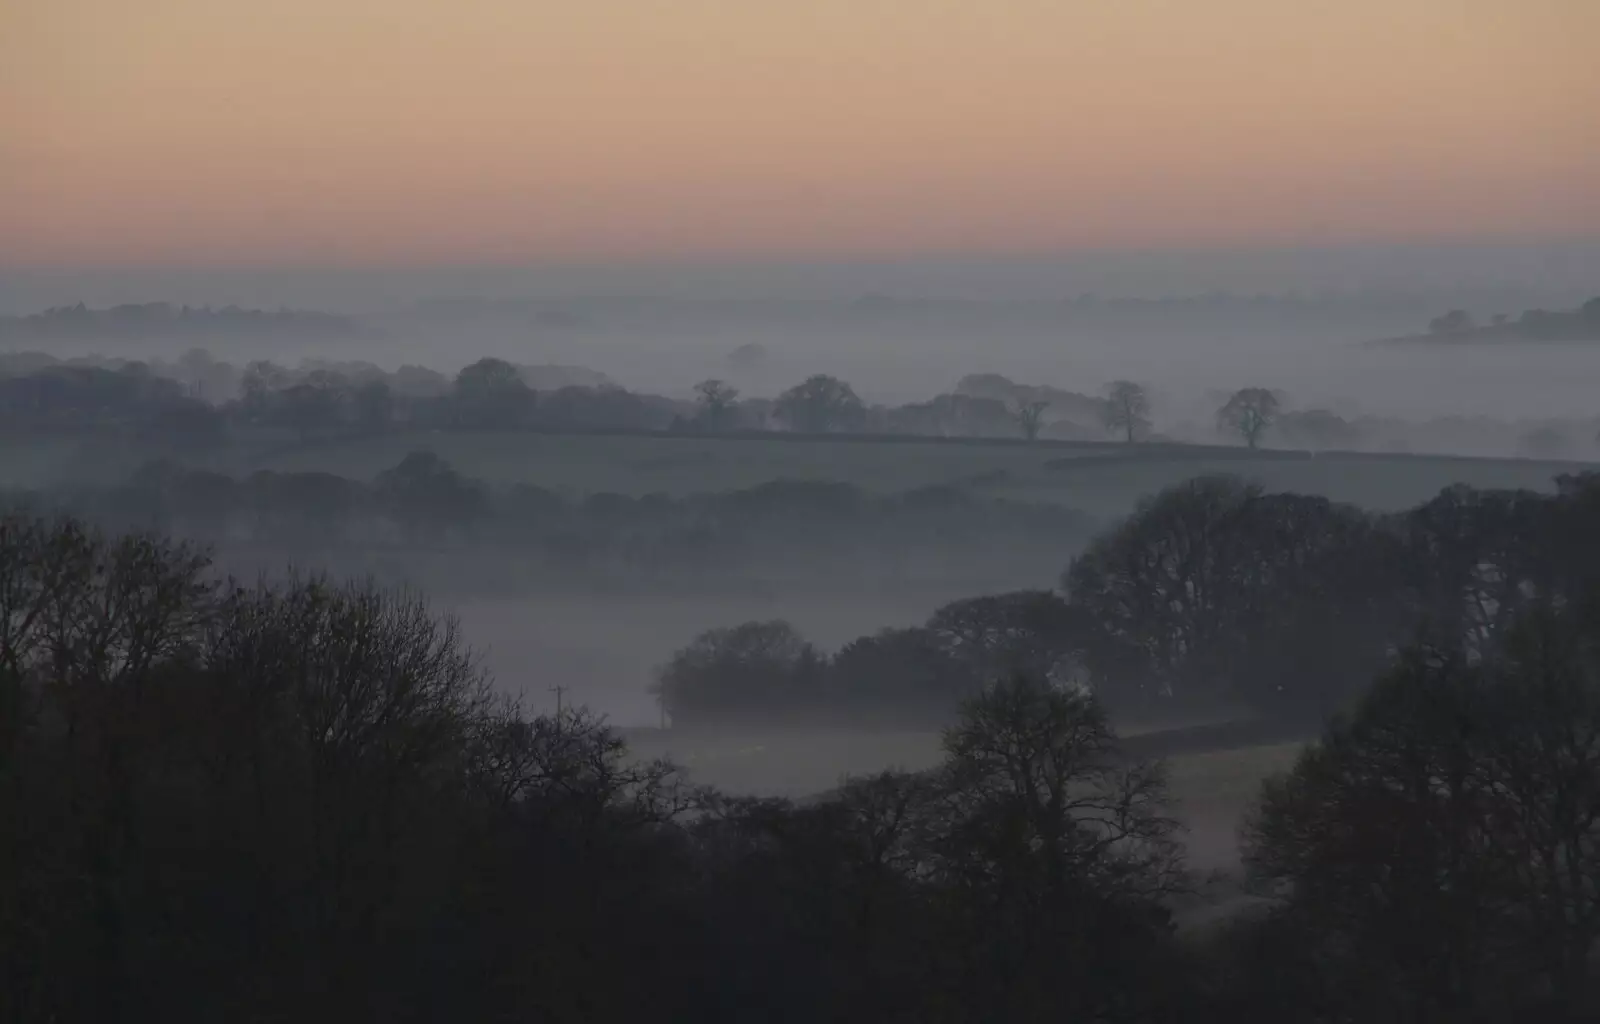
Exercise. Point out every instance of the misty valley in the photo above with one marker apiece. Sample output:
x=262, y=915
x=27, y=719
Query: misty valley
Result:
x=733, y=512
x=336, y=691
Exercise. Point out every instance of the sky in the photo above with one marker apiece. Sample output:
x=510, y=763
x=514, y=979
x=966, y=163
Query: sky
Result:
x=437, y=132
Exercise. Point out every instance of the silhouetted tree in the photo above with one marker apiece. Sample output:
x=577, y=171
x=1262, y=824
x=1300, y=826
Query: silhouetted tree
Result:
x=1473, y=559
x=1456, y=321
x=717, y=401
x=1059, y=853
x=492, y=393
x=428, y=497
x=1030, y=417
x=818, y=405
x=1161, y=590
x=902, y=674
x=747, y=670
x=1249, y=413
x=1127, y=409
x=316, y=404
x=1441, y=845
x=1030, y=632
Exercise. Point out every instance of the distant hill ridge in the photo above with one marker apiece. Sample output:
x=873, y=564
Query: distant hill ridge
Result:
x=1534, y=325
x=164, y=319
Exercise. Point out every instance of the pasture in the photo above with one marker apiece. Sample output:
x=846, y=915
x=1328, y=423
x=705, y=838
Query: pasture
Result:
x=1211, y=788
x=1102, y=479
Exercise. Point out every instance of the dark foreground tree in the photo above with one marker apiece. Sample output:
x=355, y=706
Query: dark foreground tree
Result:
x=1024, y=879
x=1056, y=853
x=1437, y=854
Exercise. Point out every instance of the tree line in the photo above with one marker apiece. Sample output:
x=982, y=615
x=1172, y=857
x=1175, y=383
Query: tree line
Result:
x=1211, y=594
x=423, y=504
x=199, y=401
x=303, y=801
x=1580, y=324
x=165, y=321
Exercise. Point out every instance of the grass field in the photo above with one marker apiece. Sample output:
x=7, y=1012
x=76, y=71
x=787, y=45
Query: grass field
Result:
x=1101, y=479
x=1211, y=790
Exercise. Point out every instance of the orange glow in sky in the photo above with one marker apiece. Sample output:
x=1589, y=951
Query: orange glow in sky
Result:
x=427, y=131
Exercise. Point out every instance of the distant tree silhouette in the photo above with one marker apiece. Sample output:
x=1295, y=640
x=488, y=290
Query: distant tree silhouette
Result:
x=428, y=497
x=1250, y=412
x=1030, y=417
x=1127, y=409
x=717, y=401
x=747, y=670
x=1456, y=321
x=492, y=393
x=818, y=405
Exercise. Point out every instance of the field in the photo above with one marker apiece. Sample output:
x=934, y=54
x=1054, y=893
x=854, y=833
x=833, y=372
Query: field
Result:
x=1102, y=479
x=1211, y=788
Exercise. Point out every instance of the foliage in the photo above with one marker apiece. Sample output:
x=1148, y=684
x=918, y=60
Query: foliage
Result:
x=302, y=801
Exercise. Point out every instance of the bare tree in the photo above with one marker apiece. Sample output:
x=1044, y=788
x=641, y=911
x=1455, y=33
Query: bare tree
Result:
x=1030, y=417
x=1042, y=817
x=1127, y=409
x=1046, y=764
x=1249, y=413
x=716, y=399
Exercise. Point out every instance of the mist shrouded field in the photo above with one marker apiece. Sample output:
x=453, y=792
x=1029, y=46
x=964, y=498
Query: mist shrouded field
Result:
x=907, y=352
x=1102, y=479
x=1211, y=789
x=599, y=642
x=604, y=644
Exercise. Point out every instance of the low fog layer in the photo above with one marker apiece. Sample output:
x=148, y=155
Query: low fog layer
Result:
x=1183, y=324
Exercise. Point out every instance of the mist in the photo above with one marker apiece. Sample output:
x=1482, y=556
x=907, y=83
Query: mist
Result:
x=599, y=512
x=1189, y=327
x=1185, y=323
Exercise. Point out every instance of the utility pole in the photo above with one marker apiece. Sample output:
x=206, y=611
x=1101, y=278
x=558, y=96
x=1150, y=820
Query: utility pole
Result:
x=559, y=691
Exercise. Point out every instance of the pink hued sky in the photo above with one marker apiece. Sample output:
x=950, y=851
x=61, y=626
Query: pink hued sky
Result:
x=382, y=132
